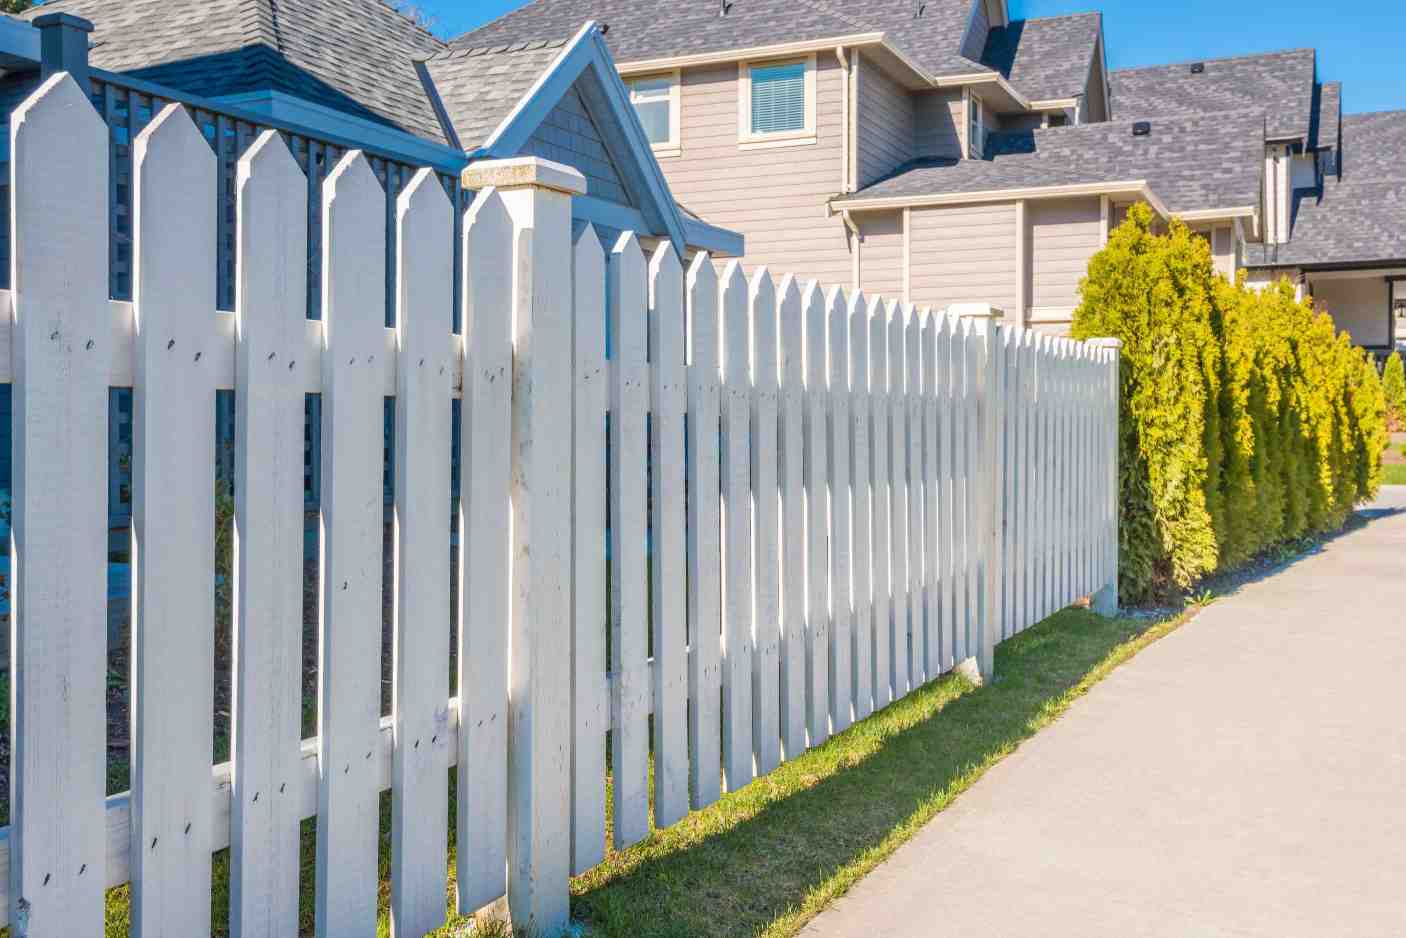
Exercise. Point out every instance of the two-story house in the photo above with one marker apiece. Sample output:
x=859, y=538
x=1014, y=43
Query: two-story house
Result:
x=939, y=151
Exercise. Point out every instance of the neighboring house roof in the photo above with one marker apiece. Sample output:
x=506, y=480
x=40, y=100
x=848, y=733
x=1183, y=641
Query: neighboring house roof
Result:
x=654, y=29
x=356, y=56
x=1046, y=59
x=1361, y=219
x=1190, y=163
x=478, y=88
x=1280, y=83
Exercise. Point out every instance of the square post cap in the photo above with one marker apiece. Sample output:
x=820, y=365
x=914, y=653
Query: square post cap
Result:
x=66, y=20
x=1106, y=343
x=975, y=311
x=524, y=172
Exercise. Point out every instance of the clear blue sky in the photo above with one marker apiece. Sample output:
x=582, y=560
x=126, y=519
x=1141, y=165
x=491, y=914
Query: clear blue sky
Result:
x=1361, y=43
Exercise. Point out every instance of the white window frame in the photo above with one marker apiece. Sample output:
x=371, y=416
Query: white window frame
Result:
x=674, y=145
x=746, y=139
x=976, y=116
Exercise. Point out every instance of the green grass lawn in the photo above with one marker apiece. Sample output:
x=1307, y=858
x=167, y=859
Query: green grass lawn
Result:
x=766, y=859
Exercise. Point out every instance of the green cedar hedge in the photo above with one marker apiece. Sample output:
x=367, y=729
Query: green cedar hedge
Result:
x=1246, y=421
x=1394, y=384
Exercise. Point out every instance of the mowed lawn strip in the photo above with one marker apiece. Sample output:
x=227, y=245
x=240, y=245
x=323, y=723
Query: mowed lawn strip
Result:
x=764, y=860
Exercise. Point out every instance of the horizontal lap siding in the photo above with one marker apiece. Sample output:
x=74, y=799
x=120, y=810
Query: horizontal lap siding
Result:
x=938, y=120
x=1065, y=233
x=1358, y=307
x=881, y=254
x=963, y=254
x=776, y=197
x=887, y=125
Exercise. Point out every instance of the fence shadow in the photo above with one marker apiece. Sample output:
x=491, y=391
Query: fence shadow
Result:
x=761, y=853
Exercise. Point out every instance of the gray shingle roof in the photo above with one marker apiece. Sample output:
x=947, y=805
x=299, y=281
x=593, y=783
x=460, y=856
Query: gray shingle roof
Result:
x=651, y=29
x=479, y=87
x=357, y=56
x=1190, y=162
x=1279, y=82
x=1360, y=219
x=1046, y=59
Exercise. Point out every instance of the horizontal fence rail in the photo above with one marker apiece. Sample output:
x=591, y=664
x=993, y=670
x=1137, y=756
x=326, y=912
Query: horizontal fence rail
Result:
x=717, y=515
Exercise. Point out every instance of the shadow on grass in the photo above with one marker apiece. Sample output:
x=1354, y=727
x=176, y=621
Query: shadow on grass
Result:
x=766, y=858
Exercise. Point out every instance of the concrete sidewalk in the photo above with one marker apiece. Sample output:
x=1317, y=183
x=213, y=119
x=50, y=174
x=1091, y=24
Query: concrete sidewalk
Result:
x=1245, y=776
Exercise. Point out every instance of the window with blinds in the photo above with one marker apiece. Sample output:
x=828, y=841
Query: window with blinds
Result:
x=778, y=98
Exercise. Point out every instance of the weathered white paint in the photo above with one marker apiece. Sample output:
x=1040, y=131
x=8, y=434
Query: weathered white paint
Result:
x=932, y=613
x=268, y=542
x=916, y=651
x=766, y=497
x=629, y=612
x=668, y=401
x=993, y=366
x=817, y=465
x=738, y=638
x=349, y=628
x=946, y=501
x=484, y=541
x=704, y=533
x=539, y=675
x=793, y=519
x=173, y=528
x=58, y=547
x=840, y=676
x=861, y=540
x=420, y=711
x=589, y=695
x=899, y=517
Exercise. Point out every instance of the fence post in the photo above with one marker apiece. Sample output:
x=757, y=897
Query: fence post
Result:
x=986, y=323
x=538, y=194
x=63, y=46
x=1105, y=601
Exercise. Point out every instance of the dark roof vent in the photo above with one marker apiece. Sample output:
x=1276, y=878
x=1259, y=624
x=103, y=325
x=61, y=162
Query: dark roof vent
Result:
x=1198, y=68
x=1142, y=129
x=604, y=28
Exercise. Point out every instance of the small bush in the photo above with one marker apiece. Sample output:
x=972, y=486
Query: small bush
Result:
x=1246, y=421
x=1394, y=386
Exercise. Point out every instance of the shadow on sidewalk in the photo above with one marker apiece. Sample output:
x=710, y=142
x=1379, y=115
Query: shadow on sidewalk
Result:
x=780, y=847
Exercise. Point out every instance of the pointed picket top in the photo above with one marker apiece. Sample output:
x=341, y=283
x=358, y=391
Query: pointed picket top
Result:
x=859, y=341
x=762, y=289
x=733, y=285
x=353, y=206
x=837, y=301
x=59, y=110
x=423, y=194
x=761, y=310
x=788, y=294
x=788, y=313
x=701, y=272
x=664, y=263
x=732, y=295
x=858, y=307
x=837, y=311
x=587, y=244
x=701, y=289
x=269, y=157
x=627, y=249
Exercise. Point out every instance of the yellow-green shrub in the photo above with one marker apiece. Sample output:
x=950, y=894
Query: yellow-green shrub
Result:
x=1246, y=421
x=1394, y=385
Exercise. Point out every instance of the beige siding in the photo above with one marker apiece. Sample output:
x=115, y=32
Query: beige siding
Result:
x=939, y=123
x=774, y=197
x=887, y=125
x=569, y=135
x=881, y=254
x=1358, y=307
x=1064, y=234
x=964, y=254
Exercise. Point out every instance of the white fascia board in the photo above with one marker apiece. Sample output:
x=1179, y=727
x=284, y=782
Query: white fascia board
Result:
x=1054, y=104
x=530, y=97
x=1136, y=188
x=984, y=78
x=776, y=50
x=319, y=118
x=1217, y=214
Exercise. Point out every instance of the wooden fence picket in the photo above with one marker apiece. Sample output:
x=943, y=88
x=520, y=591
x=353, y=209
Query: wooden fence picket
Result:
x=589, y=692
x=484, y=524
x=861, y=539
x=349, y=632
x=270, y=324
x=962, y=551
x=880, y=505
x=791, y=469
x=737, y=527
x=173, y=527
x=420, y=709
x=58, y=549
x=817, y=463
x=916, y=655
x=840, y=673
x=704, y=533
x=766, y=660
x=629, y=611
x=932, y=601
x=946, y=496
x=898, y=497
x=668, y=404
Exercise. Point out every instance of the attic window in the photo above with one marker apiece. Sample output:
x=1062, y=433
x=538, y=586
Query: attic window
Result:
x=1198, y=68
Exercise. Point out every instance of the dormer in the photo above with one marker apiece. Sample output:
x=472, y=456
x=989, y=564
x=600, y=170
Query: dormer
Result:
x=986, y=15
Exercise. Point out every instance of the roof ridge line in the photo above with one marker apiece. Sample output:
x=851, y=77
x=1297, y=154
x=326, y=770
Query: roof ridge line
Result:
x=1223, y=58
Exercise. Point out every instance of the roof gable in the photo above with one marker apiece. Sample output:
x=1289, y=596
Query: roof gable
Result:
x=1281, y=83
x=1046, y=59
x=570, y=135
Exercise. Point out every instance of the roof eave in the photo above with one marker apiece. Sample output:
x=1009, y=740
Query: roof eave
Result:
x=1136, y=188
x=773, y=50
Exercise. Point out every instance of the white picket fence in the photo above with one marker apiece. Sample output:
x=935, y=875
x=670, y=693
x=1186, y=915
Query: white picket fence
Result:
x=838, y=499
